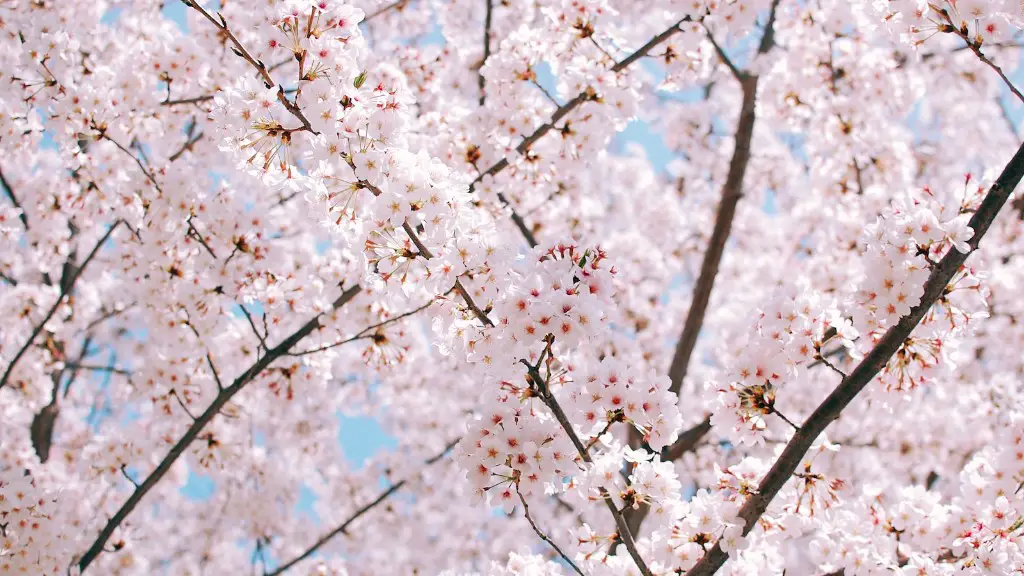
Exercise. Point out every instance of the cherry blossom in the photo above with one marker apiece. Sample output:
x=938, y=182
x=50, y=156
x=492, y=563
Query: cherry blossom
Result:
x=511, y=288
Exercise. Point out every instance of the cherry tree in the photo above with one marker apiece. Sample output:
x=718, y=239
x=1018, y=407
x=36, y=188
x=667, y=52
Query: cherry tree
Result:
x=793, y=348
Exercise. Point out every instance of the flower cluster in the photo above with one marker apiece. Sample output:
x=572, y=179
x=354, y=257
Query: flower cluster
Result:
x=33, y=533
x=609, y=392
x=793, y=330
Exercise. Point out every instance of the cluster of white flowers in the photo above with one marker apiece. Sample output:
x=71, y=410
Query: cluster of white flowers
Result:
x=34, y=535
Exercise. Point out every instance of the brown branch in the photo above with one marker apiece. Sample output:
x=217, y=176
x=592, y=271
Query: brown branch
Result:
x=222, y=398
x=557, y=117
x=688, y=440
x=736, y=72
x=9, y=191
x=260, y=67
x=194, y=233
x=138, y=161
x=252, y=324
x=425, y=252
x=625, y=534
x=578, y=100
x=343, y=527
x=397, y=5
x=186, y=147
x=44, y=422
x=974, y=47
x=732, y=190
x=64, y=291
x=487, y=51
x=193, y=100
x=870, y=366
x=95, y=368
x=731, y=193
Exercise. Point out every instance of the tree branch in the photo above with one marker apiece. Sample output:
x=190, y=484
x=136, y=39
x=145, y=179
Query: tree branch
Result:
x=260, y=67
x=200, y=422
x=64, y=291
x=9, y=191
x=557, y=117
x=870, y=366
x=731, y=193
x=343, y=527
x=625, y=535
x=397, y=5
x=365, y=332
x=193, y=100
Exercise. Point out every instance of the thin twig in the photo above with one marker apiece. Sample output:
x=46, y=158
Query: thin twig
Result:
x=213, y=368
x=193, y=100
x=578, y=100
x=366, y=332
x=543, y=536
x=95, y=368
x=187, y=146
x=975, y=47
x=149, y=175
x=425, y=252
x=263, y=338
x=343, y=527
x=736, y=72
x=397, y=5
x=260, y=67
x=559, y=114
x=194, y=233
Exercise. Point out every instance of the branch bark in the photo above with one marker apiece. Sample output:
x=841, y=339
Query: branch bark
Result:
x=65, y=289
x=731, y=193
x=732, y=190
x=200, y=422
x=870, y=366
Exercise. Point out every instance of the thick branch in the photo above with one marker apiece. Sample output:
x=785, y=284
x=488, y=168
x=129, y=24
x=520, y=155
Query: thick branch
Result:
x=200, y=422
x=731, y=192
x=625, y=535
x=64, y=291
x=870, y=366
x=343, y=527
